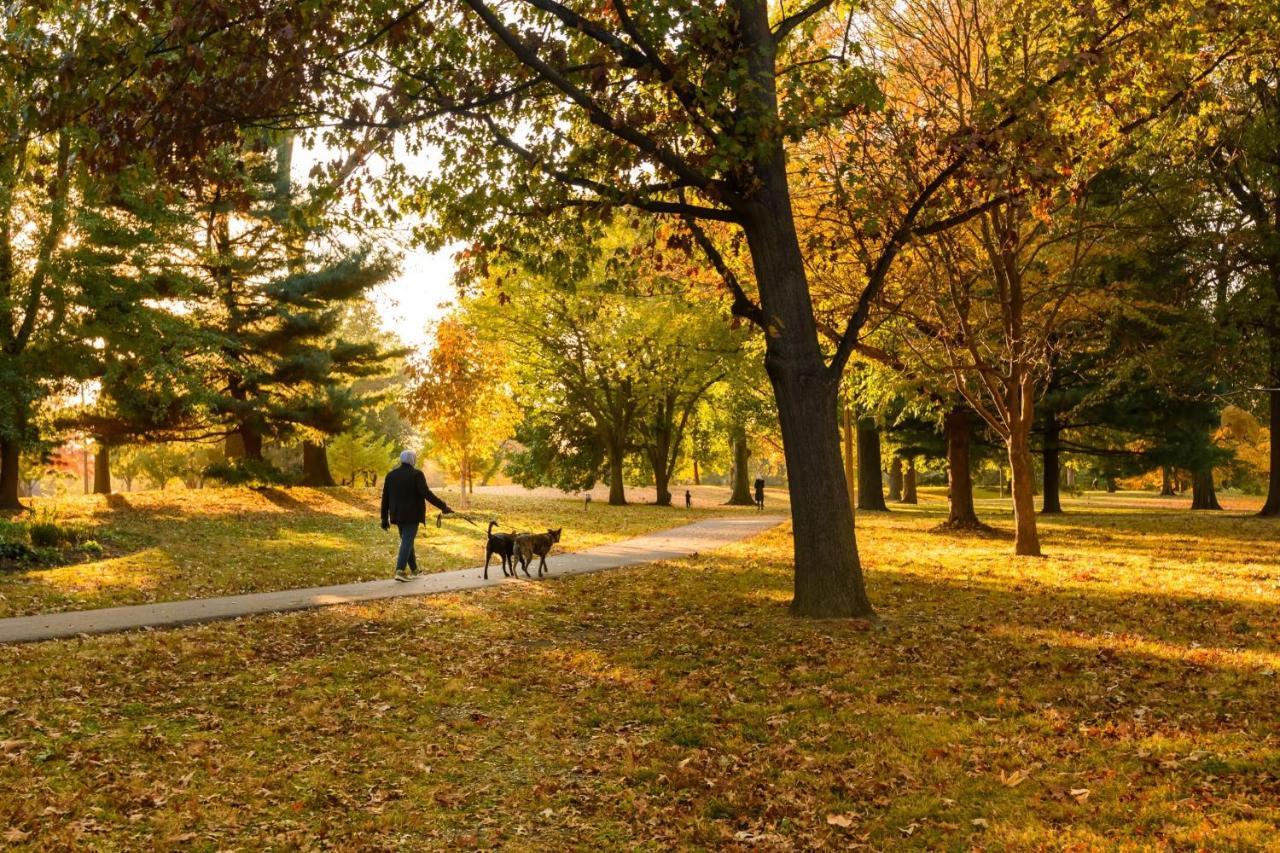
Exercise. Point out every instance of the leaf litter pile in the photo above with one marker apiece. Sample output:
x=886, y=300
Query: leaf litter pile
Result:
x=1121, y=692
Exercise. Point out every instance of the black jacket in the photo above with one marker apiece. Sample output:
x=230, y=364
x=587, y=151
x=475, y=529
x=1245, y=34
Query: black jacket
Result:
x=405, y=495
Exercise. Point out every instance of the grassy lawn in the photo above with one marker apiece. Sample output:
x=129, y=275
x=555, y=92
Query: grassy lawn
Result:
x=195, y=544
x=1120, y=693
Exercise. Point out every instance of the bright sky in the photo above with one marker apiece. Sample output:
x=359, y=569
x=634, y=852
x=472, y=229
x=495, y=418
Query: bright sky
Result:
x=423, y=290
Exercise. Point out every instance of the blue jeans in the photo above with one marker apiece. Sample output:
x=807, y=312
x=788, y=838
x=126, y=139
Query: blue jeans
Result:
x=406, y=555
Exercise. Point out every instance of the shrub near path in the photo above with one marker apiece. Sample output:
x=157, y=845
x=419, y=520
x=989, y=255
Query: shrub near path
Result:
x=210, y=542
x=1119, y=693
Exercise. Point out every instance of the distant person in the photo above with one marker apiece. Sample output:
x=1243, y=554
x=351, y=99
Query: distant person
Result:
x=760, y=493
x=688, y=499
x=404, y=504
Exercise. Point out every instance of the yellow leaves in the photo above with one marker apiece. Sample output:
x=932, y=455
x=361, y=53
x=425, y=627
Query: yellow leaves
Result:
x=1014, y=779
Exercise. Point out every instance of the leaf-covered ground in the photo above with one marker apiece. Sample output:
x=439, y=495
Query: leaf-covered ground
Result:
x=1120, y=693
x=196, y=544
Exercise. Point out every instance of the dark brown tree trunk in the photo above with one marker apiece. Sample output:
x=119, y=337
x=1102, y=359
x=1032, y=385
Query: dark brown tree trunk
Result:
x=1203, y=494
x=1166, y=482
x=10, y=453
x=616, y=458
x=870, y=481
x=850, y=477
x=697, y=479
x=1111, y=484
x=959, y=473
x=909, y=483
x=895, y=479
x=828, y=574
x=315, y=465
x=1052, y=504
x=740, y=495
x=1026, y=540
x=1271, y=508
x=244, y=443
x=102, y=470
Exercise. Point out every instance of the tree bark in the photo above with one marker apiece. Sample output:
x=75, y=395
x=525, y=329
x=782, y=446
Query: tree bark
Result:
x=1111, y=484
x=1052, y=503
x=9, y=462
x=959, y=472
x=315, y=465
x=850, y=477
x=870, y=481
x=740, y=495
x=1203, y=494
x=697, y=479
x=1026, y=540
x=909, y=483
x=895, y=479
x=828, y=573
x=102, y=470
x=616, y=458
x=1166, y=482
x=244, y=443
x=1271, y=509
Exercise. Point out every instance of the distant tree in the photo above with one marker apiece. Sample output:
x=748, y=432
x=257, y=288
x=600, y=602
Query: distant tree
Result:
x=359, y=457
x=459, y=395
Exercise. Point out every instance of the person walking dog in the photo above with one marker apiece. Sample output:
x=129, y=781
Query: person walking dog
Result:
x=404, y=503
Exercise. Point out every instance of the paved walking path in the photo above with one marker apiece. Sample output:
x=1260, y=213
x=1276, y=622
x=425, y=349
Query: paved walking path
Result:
x=664, y=545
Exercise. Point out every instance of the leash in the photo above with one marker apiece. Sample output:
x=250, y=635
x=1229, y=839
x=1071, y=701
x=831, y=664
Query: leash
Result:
x=464, y=517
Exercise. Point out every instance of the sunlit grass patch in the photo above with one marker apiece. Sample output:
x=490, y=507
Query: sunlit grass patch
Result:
x=202, y=543
x=1118, y=694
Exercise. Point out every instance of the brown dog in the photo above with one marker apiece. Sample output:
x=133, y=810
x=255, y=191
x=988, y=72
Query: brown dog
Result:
x=530, y=544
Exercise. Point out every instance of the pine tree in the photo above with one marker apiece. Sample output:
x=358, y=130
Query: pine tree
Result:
x=275, y=304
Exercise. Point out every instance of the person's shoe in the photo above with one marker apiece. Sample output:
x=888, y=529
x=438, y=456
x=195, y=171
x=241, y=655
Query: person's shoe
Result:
x=413, y=573
x=400, y=576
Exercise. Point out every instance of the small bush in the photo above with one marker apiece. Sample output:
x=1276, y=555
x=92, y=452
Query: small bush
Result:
x=46, y=534
x=92, y=548
x=17, y=551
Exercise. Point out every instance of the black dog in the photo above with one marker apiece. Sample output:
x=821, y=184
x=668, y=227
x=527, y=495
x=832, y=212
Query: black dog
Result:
x=504, y=545
x=530, y=544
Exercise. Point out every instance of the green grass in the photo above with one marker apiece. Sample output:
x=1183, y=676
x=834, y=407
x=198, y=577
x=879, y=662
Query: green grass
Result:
x=195, y=544
x=1120, y=693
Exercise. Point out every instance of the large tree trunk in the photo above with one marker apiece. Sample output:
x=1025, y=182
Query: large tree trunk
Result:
x=244, y=443
x=1166, y=482
x=315, y=465
x=740, y=495
x=1026, y=541
x=909, y=483
x=1272, y=506
x=102, y=470
x=828, y=574
x=895, y=479
x=697, y=478
x=1052, y=504
x=9, y=461
x=616, y=458
x=870, y=481
x=1112, y=488
x=1203, y=494
x=850, y=477
x=959, y=472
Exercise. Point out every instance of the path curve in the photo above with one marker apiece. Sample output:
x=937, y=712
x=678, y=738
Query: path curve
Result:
x=663, y=545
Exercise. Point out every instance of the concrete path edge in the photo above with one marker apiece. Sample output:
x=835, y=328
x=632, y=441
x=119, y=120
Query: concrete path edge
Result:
x=651, y=547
